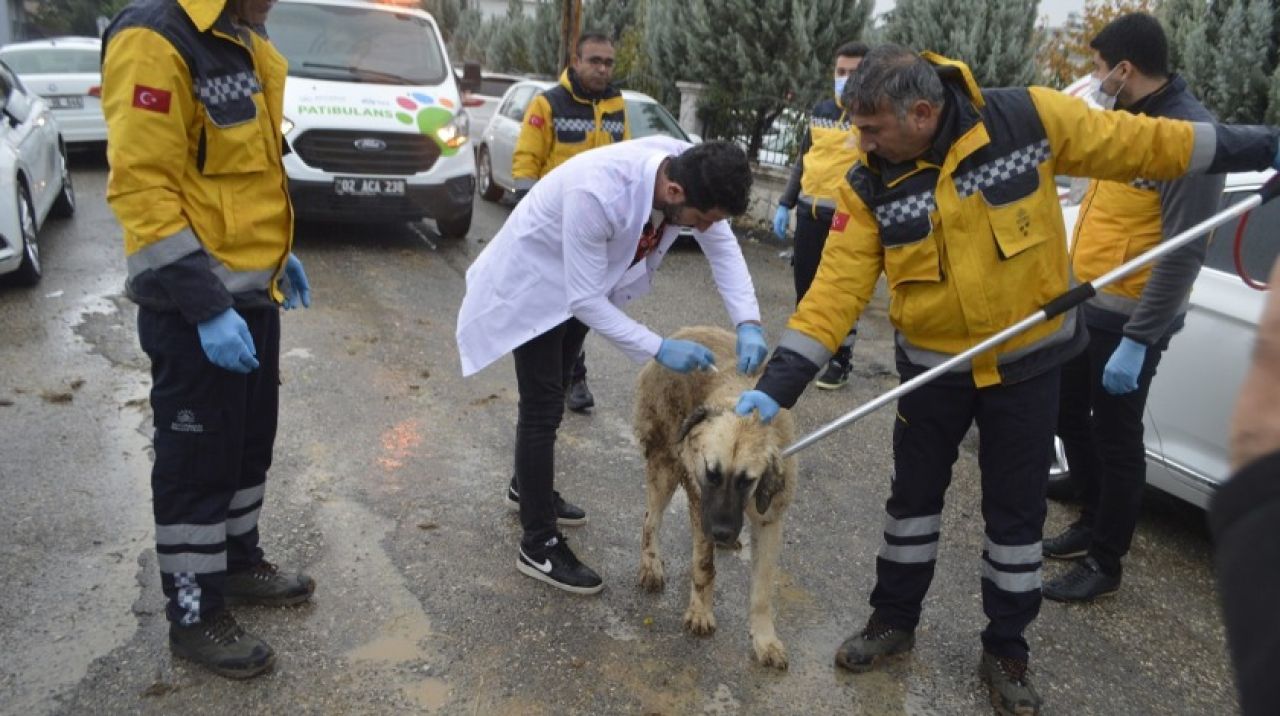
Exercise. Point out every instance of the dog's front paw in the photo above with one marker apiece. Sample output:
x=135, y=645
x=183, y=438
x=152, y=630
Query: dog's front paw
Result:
x=770, y=652
x=652, y=578
x=700, y=621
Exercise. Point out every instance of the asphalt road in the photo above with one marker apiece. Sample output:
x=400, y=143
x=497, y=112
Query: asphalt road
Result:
x=387, y=487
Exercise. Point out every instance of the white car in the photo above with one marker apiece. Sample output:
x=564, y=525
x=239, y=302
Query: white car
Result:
x=497, y=145
x=34, y=179
x=67, y=73
x=373, y=117
x=482, y=103
x=1194, y=392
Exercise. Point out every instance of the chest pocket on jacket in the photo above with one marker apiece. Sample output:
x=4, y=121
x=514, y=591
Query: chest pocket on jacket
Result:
x=910, y=247
x=613, y=123
x=232, y=141
x=1010, y=186
x=573, y=130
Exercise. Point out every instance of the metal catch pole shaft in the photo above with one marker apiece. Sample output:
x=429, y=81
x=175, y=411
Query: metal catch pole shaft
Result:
x=1061, y=304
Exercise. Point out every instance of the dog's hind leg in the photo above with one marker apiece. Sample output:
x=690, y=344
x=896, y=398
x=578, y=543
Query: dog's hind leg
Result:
x=766, y=543
x=698, y=618
x=660, y=484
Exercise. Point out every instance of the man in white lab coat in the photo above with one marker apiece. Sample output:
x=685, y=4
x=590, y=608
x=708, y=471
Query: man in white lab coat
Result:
x=582, y=244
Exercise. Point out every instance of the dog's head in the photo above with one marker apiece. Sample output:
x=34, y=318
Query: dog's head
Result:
x=736, y=462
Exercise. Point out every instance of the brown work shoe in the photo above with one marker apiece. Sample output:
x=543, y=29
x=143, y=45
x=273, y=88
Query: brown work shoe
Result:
x=1010, y=683
x=266, y=586
x=877, y=641
x=219, y=644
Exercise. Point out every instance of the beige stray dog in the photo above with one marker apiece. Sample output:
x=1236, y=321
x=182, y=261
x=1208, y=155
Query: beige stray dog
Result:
x=729, y=466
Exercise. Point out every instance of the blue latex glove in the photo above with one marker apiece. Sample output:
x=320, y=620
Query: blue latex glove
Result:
x=1120, y=376
x=684, y=356
x=226, y=341
x=760, y=402
x=751, y=347
x=297, y=290
x=781, y=219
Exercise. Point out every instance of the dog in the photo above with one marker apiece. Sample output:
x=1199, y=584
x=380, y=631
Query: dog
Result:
x=729, y=466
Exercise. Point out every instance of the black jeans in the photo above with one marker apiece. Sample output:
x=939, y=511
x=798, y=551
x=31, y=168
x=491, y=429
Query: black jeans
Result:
x=1102, y=436
x=1015, y=437
x=214, y=435
x=813, y=225
x=543, y=366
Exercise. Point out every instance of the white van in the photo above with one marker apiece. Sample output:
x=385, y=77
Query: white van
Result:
x=373, y=119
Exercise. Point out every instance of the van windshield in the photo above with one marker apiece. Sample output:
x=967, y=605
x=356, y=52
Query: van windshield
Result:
x=351, y=44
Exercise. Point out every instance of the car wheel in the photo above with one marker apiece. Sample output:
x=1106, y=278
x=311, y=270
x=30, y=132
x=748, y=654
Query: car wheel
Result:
x=65, y=206
x=488, y=190
x=29, y=271
x=455, y=228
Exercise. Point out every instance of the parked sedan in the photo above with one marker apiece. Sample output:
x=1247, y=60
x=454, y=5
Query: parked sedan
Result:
x=1195, y=388
x=67, y=73
x=498, y=143
x=34, y=179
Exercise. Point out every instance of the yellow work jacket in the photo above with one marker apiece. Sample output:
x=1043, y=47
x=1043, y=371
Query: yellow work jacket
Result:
x=970, y=236
x=832, y=150
x=560, y=124
x=193, y=110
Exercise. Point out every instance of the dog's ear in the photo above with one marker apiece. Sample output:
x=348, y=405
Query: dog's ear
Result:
x=698, y=415
x=770, y=484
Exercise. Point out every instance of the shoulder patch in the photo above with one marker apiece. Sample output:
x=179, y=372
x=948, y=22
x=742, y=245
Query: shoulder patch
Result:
x=839, y=221
x=151, y=99
x=536, y=120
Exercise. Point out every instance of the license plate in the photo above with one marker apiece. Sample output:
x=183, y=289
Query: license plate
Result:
x=359, y=186
x=66, y=101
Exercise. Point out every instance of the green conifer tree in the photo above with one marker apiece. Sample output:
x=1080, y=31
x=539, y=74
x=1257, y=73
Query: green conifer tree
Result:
x=996, y=38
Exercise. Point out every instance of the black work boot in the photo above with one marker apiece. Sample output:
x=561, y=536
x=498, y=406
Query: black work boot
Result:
x=579, y=398
x=1071, y=543
x=1009, y=681
x=862, y=651
x=221, y=646
x=567, y=513
x=266, y=586
x=1085, y=582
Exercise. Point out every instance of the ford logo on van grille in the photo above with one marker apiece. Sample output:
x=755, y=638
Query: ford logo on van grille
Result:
x=370, y=144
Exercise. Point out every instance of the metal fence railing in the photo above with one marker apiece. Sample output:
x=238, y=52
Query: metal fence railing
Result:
x=768, y=129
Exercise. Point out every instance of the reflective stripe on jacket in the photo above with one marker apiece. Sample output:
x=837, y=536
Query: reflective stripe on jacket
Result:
x=560, y=124
x=193, y=110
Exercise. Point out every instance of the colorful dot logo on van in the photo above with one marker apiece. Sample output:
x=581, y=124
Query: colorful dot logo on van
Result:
x=428, y=119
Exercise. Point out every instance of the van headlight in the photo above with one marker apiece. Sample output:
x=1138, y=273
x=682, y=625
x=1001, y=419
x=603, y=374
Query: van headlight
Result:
x=454, y=134
x=286, y=126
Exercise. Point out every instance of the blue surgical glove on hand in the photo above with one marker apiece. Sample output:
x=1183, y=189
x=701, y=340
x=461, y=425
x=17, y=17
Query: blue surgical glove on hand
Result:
x=781, y=219
x=758, y=401
x=1120, y=376
x=751, y=347
x=297, y=290
x=684, y=356
x=226, y=341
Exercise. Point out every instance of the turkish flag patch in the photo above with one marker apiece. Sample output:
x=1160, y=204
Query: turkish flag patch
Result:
x=151, y=99
x=839, y=221
x=536, y=121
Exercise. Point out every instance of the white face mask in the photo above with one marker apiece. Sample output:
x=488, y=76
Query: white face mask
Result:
x=840, y=82
x=1099, y=95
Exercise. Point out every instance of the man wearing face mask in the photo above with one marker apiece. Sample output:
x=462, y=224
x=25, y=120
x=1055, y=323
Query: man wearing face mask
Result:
x=956, y=206
x=1130, y=322
x=585, y=242
x=584, y=111
x=193, y=95
x=829, y=149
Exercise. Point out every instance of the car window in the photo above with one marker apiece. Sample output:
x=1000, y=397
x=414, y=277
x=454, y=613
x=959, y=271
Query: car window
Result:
x=519, y=101
x=649, y=118
x=1260, y=246
x=352, y=44
x=53, y=61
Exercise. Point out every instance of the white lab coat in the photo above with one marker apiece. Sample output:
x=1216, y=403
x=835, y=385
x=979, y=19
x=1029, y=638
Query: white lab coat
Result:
x=566, y=251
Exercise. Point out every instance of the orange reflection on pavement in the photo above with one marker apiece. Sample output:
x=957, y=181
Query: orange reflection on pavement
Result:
x=398, y=443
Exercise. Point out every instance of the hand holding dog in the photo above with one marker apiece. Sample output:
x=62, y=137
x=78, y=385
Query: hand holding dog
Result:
x=684, y=356
x=752, y=348
x=759, y=401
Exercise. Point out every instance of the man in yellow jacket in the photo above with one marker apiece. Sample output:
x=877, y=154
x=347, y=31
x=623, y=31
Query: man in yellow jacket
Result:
x=956, y=205
x=583, y=112
x=193, y=94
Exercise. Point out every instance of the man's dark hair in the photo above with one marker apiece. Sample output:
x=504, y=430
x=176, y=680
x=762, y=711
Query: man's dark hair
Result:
x=586, y=37
x=893, y=75
x=853, y=49
x=1137, y=38
x=713, y=175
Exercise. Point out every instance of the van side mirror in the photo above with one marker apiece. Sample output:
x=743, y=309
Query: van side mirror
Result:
x=470, y=77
